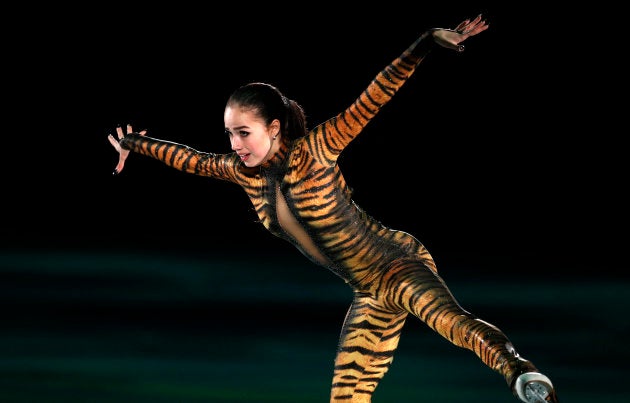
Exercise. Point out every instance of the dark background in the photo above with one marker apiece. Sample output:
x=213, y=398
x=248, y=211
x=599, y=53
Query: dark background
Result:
x=506, y=161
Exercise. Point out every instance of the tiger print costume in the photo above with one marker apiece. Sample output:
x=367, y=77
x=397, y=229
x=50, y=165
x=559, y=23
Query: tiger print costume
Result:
x=300, y=195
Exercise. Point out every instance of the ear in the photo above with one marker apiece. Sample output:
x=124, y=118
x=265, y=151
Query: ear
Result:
x=274, y=127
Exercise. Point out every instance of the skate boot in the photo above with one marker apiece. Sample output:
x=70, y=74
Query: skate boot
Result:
x=534, y=387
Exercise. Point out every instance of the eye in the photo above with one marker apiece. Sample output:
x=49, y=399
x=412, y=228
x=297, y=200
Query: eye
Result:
x=243, y=133
x=227, y=133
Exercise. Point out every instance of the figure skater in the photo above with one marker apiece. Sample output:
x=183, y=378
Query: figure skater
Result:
x=293, y=180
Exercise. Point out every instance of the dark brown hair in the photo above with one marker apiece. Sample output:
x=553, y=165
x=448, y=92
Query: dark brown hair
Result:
x=269, y=103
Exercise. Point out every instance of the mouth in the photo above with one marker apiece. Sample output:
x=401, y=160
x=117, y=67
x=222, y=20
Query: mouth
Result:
x=244, y=157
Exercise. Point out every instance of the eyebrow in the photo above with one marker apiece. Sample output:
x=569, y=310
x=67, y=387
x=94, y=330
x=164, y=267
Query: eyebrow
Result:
x=238, y=127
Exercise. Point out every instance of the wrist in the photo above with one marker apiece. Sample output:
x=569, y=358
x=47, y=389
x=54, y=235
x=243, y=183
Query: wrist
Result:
x=424, y=44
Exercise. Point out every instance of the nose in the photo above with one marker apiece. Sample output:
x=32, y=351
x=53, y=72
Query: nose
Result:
x=236, y=145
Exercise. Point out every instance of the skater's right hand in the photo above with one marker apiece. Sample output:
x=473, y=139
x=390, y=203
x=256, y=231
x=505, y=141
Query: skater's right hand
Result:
x=122, y=153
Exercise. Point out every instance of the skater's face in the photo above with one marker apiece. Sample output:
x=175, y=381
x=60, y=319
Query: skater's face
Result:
x=253, y=140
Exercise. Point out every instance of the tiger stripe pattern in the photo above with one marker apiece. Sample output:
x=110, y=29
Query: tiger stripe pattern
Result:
x=300, y=195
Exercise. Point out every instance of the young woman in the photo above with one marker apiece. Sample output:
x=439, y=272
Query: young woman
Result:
x=292, y=178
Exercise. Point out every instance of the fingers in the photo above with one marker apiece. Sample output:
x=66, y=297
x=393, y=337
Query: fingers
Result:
x=476, y=26
x=129, y=129
x=114, y=142
x=470, y=28
x=476, y=20
x=452, y=38
x=119, y=167
x=461, y=25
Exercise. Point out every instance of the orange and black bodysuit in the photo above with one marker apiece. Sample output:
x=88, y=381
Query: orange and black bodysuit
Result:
x=300, y=195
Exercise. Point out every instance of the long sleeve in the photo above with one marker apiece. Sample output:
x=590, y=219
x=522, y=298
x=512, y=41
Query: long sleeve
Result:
x=338, y=132
x=184, y=158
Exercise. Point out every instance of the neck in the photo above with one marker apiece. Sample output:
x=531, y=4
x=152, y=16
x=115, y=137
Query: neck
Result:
x=272, y=157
